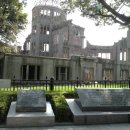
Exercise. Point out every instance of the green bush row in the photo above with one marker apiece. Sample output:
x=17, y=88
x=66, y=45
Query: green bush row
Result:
x=59, y=105
x=5, y=100
x=61, y=109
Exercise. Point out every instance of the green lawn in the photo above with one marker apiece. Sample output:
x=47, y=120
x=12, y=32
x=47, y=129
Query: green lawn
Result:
x=66, y=88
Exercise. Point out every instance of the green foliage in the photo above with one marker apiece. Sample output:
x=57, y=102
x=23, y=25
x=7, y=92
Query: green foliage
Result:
x=70, y=95
x=59, y=105
x=7, y=48
x=102, y=11
x=5, y=100
x=61, y=108
x=12, y=19
x=4, y=105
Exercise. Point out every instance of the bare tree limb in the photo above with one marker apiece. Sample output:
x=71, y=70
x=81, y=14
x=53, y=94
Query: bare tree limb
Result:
x=122, y=17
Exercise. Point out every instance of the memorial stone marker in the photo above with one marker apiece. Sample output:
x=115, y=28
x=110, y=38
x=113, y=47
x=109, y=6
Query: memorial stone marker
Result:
x=103, y=99
x=99, y=106
x=30, y=109
x=31, y=101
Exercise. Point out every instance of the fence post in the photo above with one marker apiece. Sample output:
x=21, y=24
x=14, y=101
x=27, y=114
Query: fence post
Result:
x=12, y=84
x=105, y=82
x=51, y=83
x=46, y=83
x=77, y=82
x=129, y=82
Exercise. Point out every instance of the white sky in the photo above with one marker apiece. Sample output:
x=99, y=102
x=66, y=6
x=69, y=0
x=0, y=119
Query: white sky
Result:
x=104, y=35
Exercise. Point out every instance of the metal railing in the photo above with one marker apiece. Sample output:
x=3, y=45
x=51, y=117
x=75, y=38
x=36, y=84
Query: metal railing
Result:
x=65, y=85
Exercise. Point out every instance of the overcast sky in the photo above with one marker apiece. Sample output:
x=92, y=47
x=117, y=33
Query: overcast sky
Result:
x=104, y=35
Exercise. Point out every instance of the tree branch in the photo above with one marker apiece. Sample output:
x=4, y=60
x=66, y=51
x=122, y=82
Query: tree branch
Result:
x=113, y=18
x=122, y=17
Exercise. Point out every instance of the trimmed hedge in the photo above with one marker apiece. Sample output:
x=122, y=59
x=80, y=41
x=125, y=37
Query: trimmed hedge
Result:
x=5, y=100
x=60, y=107
x=4, y=105
x=70, y=95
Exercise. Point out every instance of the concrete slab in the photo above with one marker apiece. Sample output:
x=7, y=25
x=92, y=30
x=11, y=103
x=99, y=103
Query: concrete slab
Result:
x=31, y=101
x=103, y=99
x=30, y=118
x=124, y=126
x=5, y=83
x=30, y=128
x=96, y=117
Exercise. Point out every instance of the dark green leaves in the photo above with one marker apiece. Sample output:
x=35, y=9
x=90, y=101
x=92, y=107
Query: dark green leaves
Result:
x=12, y=19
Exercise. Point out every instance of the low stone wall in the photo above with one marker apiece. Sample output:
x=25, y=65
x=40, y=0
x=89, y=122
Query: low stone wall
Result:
x=5, y=83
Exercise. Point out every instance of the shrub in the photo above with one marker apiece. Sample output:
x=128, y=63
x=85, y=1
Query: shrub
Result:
x=5, y=100
x=70, y=95
x=4, y=105
x=61, y=108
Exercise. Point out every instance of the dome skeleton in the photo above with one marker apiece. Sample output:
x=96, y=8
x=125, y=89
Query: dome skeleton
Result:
x=47, y=2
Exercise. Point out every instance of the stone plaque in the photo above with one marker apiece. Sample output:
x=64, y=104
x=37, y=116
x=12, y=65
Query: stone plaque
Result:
x=31, y=101
x=103, y=99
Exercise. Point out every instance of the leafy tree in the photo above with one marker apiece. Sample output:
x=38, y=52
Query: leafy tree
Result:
x=102, y=11
x=5, y=48
x=12, y=19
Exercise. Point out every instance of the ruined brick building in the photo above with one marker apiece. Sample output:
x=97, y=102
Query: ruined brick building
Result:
x=55, y=48
x=52, y=35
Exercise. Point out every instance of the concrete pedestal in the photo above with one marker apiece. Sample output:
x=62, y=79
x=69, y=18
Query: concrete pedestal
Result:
x=97, y=117
x=23, y=119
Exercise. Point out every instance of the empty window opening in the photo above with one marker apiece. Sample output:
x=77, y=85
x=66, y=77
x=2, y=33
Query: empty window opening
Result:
x=30, y=72
x=24, y=69
x=41, y=29
x=124, y=56
x=45, y=12
x=58, y=14
x=104, y=55
x=34, y=29
x=99, y=54
x=42, y=12
x=46, y=30
x=107, y=73
x=124, y=74
x=38, y=72
x=33, y=45
x=62, y=73
x=54, y=13
x=31, y=75
x=77, y=33
x=48, y=12
x=28, y=46
x=45, y=47
x=120, y=55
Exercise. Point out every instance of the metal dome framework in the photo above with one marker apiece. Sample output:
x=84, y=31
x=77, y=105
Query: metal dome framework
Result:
x=47, y=2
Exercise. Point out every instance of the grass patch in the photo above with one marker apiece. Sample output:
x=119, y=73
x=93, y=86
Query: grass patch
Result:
x=66, y=88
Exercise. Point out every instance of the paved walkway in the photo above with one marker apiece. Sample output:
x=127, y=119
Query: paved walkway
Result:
x=81, y=127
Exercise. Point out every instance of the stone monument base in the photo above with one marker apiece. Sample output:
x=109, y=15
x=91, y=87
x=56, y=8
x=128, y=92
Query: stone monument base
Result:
x=23, y=119
x=97, y=117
